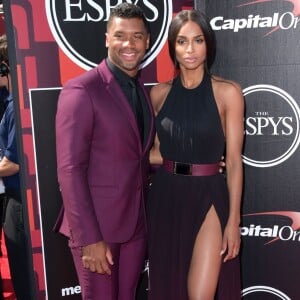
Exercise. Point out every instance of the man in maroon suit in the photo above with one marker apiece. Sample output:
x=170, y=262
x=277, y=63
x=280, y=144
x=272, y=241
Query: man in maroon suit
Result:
x=104, y=130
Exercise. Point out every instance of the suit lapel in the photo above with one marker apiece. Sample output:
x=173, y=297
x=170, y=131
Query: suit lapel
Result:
x=119, y=97
x=121, y=101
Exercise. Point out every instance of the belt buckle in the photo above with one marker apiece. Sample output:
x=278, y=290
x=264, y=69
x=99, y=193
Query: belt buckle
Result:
x=182, y=168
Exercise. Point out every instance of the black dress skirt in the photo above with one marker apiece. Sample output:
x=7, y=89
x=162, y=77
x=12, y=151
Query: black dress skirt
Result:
x=189, y=129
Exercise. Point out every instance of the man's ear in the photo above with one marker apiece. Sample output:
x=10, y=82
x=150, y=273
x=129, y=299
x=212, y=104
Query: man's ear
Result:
x=148, y=41
x=106, y=40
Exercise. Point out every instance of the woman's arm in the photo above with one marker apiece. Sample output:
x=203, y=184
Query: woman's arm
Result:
x=155, y=156
x=158, y=95
x=234, y=132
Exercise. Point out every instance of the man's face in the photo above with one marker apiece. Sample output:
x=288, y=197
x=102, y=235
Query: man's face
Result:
x=127, y=41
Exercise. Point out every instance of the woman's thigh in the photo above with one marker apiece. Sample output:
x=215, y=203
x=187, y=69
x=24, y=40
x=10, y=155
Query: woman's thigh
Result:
x=206, y=259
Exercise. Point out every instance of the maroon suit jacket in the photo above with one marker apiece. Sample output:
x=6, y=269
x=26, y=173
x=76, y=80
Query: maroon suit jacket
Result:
x=102, y=167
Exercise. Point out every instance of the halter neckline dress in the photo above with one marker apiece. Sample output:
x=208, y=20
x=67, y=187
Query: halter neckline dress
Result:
x=189, y=130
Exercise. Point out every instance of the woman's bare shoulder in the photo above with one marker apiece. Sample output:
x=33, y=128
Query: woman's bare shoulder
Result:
x=226, y=90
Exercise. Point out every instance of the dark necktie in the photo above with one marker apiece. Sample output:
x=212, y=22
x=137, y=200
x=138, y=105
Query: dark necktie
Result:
x=137, y=106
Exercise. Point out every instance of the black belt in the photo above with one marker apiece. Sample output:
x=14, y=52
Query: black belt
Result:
x=181, y=168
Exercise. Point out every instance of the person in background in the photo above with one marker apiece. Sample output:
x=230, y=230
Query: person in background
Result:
x=13, y=226
x=194, y=211
x=104, y=131
x=3, y=103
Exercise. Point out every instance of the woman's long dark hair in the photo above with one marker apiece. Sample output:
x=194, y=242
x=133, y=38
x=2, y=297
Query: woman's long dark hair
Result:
x=199, y=18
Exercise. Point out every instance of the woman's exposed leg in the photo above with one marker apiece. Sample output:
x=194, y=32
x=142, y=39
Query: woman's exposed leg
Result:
x=206, y=260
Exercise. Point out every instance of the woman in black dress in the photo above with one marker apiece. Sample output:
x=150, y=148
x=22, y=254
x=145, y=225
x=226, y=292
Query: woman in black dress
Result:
x=194, y=212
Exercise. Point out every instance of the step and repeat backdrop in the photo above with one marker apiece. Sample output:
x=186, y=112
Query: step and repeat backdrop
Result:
x=53, y=41
x=258, y=46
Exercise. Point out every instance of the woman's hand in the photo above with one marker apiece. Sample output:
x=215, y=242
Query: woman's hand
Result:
x=231, y=242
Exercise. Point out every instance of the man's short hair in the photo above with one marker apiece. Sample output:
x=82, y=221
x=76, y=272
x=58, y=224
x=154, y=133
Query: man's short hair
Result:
x=128, y=11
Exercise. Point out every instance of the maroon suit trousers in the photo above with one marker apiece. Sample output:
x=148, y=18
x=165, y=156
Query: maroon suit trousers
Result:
x=128, y=260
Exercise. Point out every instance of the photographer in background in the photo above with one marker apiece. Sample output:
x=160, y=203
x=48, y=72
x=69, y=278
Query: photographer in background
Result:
x=13, y=226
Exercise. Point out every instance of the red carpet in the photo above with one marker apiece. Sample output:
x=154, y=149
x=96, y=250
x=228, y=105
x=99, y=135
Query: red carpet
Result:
x=7, y=284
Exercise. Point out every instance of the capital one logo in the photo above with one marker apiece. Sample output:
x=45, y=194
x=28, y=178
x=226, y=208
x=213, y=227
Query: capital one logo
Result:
x=278, y=20
x=262, y=289
x=271, y=126
x=79, y=27
x=288, y=20
x=274, y=232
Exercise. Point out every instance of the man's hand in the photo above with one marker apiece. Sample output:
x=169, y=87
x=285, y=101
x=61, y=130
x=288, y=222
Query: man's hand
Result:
x=7, y=167
x=222, y=165
x=97, y=258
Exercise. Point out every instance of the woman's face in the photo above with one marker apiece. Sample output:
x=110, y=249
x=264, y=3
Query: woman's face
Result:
x=190, y=46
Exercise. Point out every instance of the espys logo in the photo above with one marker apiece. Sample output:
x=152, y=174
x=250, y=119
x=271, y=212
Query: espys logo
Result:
x=79, y=27
x=271, y=126
x=262, y=289
x=274, y=232
x=284, y=21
